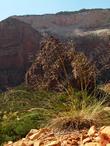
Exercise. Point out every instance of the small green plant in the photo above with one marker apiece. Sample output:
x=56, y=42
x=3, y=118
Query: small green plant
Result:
x=17, y=126
x=22, y=110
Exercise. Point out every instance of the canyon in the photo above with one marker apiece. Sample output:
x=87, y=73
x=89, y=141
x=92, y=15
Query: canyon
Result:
x=20, y=38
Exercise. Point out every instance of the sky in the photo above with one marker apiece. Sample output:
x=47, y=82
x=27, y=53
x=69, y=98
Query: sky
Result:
x=25, y=7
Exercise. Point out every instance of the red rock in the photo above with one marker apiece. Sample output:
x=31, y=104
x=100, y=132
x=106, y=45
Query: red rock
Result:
x=38, y=134
x=104, y=134
x=19, y=44
x=105, y=130
x=45, y=137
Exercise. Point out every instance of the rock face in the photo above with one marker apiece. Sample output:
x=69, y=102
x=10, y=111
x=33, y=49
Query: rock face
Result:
x=66, y=24
x=18, y=45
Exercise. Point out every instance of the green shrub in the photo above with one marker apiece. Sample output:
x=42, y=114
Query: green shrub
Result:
x=17, y=128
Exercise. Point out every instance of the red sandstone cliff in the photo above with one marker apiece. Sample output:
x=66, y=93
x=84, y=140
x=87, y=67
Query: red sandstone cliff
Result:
x=18, y=45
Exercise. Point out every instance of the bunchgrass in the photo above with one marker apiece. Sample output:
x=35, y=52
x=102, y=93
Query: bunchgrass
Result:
x=84, y=111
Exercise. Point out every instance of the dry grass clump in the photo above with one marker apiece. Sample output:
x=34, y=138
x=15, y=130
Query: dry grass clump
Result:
x=85, y=111
x=58, y=65
x=106, y=87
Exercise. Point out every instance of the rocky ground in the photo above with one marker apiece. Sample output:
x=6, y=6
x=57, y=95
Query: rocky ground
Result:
x=46, y=137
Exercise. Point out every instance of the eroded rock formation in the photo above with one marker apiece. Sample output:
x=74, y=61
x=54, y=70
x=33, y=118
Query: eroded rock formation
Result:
x=18, y=45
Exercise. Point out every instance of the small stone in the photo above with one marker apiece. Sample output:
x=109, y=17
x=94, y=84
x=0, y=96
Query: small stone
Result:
x=92, y=131
x=32, y=131
x=10, y=142
x=97, y=139
x=54, y=143
x=88, y=139
x=92, y=144
x=36, y=135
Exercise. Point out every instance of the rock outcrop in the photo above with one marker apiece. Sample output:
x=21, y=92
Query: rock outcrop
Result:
x=19, y=44
x=46, y=137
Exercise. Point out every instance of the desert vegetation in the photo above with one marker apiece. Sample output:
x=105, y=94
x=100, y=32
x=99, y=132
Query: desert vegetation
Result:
x=58, y=65
x=23, y=109
x=60, y=93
